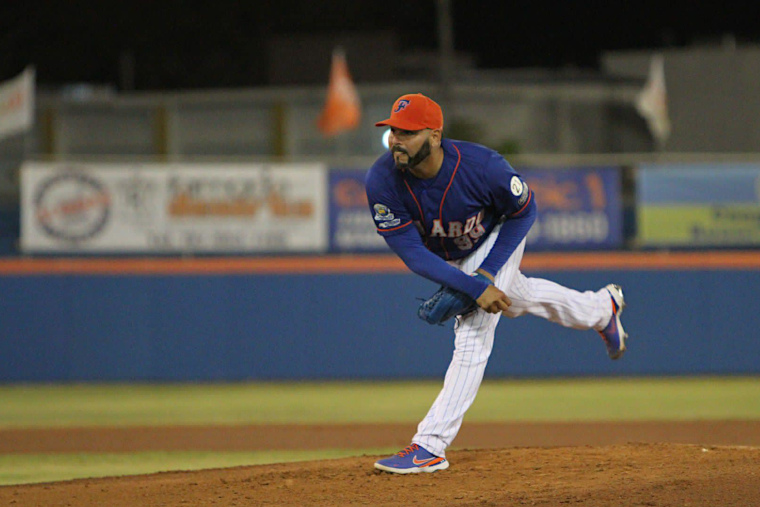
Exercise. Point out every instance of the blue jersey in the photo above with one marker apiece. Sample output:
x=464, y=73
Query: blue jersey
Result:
x=454, y=211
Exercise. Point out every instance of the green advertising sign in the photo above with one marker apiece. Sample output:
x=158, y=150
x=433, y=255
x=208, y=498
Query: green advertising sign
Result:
x=699, y=225
x=698, y=205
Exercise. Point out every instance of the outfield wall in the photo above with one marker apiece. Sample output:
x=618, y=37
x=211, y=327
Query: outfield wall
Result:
x=354, y=318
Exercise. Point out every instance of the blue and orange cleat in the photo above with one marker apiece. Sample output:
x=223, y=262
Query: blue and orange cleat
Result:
x=412, y=460
x=613, y=335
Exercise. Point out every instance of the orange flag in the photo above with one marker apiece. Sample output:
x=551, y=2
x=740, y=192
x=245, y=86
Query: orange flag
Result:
x=342, y=109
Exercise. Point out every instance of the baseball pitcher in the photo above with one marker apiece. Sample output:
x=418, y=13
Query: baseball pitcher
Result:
x=458, y=214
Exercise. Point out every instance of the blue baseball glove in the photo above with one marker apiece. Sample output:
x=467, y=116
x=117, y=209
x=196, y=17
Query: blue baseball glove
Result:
x=447, y=303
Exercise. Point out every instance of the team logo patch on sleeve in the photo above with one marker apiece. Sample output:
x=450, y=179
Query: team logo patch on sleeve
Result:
x=392, y=223
x=516, y=186
x=524, y=197
x=385, y=217
x=383, y=213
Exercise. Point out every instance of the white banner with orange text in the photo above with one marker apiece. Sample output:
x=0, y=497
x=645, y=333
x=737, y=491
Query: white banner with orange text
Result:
x=173, y=208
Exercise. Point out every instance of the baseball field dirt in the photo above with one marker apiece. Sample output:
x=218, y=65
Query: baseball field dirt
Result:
x=492, y=464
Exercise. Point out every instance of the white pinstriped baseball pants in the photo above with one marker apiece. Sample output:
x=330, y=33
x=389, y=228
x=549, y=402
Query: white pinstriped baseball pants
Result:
x=475, y=333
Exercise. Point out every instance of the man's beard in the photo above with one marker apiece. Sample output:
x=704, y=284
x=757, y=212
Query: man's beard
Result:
x=422, y=154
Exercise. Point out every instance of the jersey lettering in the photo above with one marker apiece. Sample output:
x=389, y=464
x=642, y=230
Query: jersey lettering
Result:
x=464, y=235
x=470, y=224
x=478, y=230
x=455, y=229
x=472, y=227
x=437, y=231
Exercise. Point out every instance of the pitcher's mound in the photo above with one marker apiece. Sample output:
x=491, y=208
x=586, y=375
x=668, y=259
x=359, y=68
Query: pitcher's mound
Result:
x=615, y=475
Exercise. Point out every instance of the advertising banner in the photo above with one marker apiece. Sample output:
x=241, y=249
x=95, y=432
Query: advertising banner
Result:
x=579, y=208
x=351, y=226
x=173, y=208
x=698, y=205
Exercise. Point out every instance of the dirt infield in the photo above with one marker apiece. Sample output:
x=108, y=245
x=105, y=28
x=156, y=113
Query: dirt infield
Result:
x=541, y=464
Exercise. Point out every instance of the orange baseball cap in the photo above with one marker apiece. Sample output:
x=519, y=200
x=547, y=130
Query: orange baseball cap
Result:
x=414, y=112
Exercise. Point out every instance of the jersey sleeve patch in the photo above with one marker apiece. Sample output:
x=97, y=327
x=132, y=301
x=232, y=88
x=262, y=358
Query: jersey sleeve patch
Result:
x=384, y=217
x=516, y=186
x=524, y=195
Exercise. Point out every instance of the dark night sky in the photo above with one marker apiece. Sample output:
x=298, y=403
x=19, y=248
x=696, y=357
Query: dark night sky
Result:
x=189, y=45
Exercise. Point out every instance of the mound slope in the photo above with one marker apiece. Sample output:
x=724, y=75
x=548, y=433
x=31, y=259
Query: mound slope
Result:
x=627, y=474
x=697, y=464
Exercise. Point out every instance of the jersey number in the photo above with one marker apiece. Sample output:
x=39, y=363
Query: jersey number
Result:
x=465, y=241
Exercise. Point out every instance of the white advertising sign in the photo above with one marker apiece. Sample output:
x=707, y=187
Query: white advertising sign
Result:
x=165, y=208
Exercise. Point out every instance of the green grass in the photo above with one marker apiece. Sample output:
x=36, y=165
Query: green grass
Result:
x=341, y=402
x=33, y=468
x=620, y=399
x=632, y=399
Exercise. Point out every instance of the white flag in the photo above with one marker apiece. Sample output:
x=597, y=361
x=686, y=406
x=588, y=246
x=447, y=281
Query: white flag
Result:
x=17, y=103
x=652, y=101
